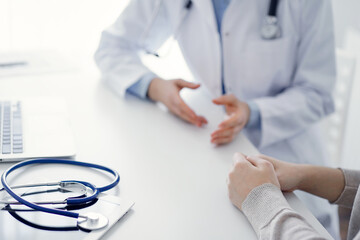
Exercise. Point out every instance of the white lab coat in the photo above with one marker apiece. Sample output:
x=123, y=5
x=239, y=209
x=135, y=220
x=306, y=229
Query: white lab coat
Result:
x=290, y=78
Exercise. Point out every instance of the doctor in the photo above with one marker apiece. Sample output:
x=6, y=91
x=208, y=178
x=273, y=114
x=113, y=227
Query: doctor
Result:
x=272, y=65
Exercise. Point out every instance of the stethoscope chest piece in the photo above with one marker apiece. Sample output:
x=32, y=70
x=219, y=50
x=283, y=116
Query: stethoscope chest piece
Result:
x=92, y=221
x=270, y=29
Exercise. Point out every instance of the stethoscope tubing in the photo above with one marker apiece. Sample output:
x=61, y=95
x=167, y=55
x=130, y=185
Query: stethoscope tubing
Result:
x=273, y=7
x=75, y=201
x=95, y=190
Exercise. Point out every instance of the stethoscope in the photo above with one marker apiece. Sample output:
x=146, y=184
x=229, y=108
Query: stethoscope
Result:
x=87, y=221
x=270, y=29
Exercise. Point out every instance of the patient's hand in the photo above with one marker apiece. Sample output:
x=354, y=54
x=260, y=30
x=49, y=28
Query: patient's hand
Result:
x=247, y=174
x=324, y=182
x=290, y=175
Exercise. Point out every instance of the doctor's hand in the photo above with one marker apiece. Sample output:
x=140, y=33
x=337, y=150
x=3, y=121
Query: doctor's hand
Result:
x=168, y=92
x=247, y=174
x=238, y=115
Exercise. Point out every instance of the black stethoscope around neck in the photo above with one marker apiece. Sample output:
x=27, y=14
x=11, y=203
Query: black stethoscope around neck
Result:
x=270, y=28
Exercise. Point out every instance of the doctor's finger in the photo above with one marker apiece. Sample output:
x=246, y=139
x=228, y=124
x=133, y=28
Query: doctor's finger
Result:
x=176, y=109
x=225, y=99
x=231, y=122
x=222, y=140
x=185, y=117
x=203, y=120
x=182, y=83
x=184, y=108
x=187, y=113
x=223, y=132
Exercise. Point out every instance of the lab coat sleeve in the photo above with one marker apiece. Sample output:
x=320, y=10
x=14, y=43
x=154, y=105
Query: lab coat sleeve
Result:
x=309, y=97
x=255, y=117
x=119, y=53
x=140, y=88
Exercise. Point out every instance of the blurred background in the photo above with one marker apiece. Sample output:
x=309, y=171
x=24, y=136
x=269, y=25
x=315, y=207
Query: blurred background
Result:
x=72, y=29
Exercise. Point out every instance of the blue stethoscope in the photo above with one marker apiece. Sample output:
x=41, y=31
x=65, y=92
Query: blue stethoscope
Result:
x=87, y=221
x=270, y=28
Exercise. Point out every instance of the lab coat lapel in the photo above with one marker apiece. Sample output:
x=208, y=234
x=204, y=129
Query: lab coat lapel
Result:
x=210, y=71
x=233, y=12
x=206, y=9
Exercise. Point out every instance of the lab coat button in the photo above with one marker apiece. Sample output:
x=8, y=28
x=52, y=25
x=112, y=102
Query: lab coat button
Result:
x=227, y=34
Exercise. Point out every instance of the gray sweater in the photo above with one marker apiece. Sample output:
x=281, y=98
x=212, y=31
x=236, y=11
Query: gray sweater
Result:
x=272, y=218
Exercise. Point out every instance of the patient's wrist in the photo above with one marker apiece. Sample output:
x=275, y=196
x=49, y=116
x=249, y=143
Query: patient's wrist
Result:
x=305, y=176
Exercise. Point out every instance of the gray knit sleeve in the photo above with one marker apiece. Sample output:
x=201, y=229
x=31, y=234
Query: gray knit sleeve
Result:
x=272, y=218
x=352, y=182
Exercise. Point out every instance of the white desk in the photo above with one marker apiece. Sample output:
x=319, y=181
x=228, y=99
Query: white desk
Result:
x=176, y=177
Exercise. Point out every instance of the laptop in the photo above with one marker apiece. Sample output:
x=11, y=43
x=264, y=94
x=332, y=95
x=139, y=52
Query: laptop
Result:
x=35, y=128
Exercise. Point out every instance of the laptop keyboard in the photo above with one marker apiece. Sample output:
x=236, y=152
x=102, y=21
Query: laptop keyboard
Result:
x=11, y=128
